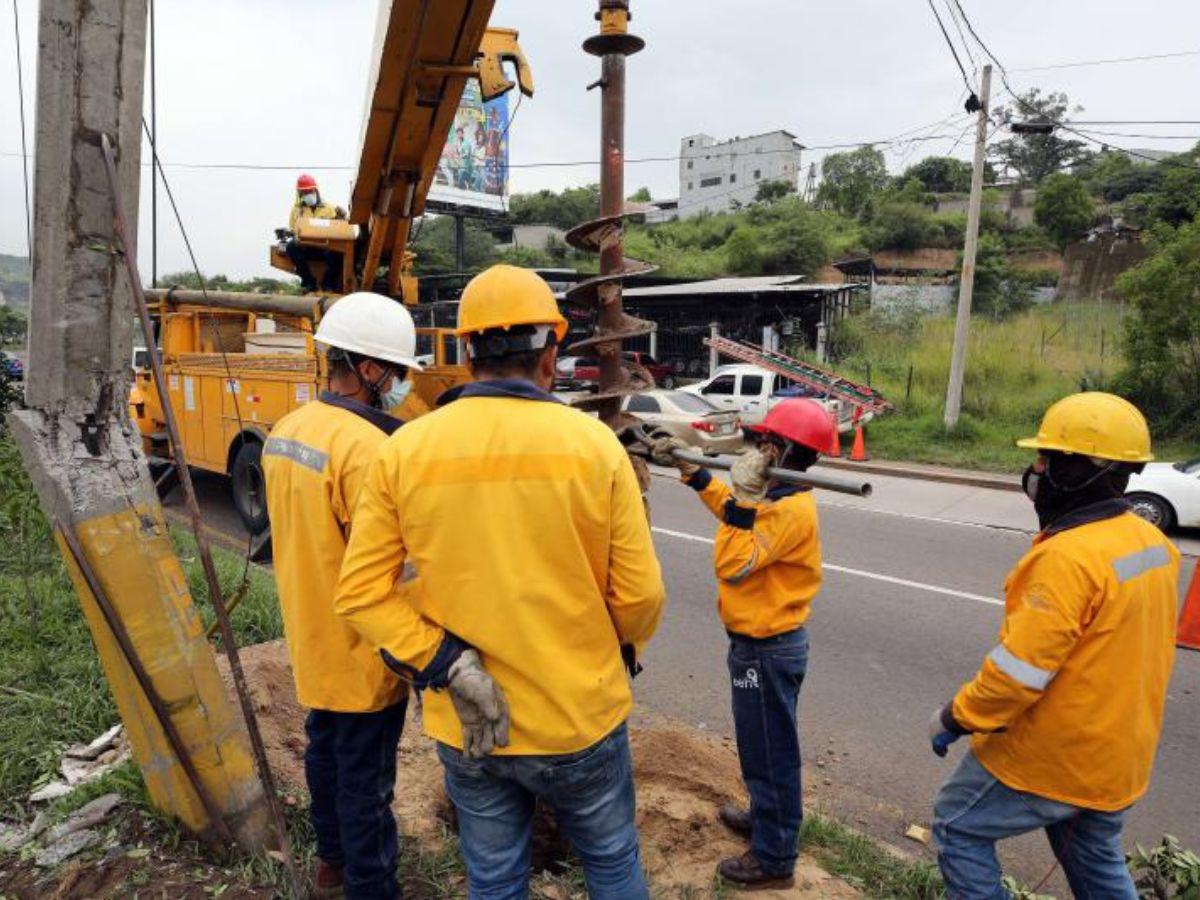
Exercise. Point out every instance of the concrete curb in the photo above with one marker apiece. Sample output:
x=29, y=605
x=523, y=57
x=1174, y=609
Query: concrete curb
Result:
x=945, y=476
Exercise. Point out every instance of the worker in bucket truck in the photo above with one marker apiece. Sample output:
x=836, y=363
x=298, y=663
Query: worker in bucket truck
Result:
x=309, y=205
x=314, y=463
x=767, y=557
x=1067, y=709
x=521, y=524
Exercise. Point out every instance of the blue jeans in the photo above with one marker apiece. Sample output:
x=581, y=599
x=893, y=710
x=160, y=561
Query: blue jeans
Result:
x=350, y=766
x=591, y=793
x=766, y=675
x=973, y=810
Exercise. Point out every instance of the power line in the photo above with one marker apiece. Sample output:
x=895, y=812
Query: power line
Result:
x=24, y=145
x=1108, y=62
x=950, y=44
x=962, y=37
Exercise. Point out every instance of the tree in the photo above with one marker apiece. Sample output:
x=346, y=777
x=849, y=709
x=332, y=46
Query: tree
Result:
x=741, y=252
x=434, y=246
x=770, y=191
x=12, y=325
x=1064, y=208
x=1034, y=156
x=850, y=181
x=941, y=175
x=1000, y=290
x=564, y=210
x=902, y=226
x=1162, y=337
x=641, y=195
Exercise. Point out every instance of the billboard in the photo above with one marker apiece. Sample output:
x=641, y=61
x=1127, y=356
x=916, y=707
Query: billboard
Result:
x=473, y=169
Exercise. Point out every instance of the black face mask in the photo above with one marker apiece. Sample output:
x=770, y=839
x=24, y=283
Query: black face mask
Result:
x=1067, y=483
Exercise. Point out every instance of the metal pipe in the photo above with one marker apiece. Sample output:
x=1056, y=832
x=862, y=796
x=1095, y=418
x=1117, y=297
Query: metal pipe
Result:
x=612, y=203
x=215, y=594
x=785, y=476
x=125, y=644
x=283, y=304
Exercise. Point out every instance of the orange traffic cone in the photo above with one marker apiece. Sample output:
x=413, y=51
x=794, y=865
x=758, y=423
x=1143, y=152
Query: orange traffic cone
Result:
x=835, y=442
x=859, y=452
x=1188, y=635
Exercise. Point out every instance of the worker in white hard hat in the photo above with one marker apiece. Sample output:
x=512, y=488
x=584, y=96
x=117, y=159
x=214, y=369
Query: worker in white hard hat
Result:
x=314, y=463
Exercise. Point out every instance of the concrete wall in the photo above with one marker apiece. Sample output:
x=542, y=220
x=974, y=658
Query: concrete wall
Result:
x=1091, y=268
x=713, y=175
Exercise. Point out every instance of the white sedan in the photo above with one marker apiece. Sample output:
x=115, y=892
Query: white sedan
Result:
x=1167, y=494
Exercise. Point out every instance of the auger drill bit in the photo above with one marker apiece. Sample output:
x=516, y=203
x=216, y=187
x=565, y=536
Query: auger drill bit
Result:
x=604, y=235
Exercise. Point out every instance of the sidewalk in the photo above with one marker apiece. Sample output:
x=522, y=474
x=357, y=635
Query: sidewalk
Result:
x=924, y=472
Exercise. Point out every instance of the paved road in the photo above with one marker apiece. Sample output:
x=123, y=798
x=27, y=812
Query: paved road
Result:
x=910, y=606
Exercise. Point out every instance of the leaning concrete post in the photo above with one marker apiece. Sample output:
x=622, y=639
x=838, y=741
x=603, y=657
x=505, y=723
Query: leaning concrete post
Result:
x=83, y=455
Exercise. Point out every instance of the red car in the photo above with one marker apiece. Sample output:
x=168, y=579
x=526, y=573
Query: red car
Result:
x=585, y=370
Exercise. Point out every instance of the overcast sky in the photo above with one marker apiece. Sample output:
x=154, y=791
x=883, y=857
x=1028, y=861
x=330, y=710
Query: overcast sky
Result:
x=283, y=83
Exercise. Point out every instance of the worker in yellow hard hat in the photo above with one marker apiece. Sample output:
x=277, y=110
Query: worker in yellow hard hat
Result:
x=1067, y=708
x=308, y=204
x=521, y=521
x=314, y=463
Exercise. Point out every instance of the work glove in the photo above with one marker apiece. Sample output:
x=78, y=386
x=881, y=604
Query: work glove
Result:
x=660, y=452
x=480, y=704
x=941, y=737
x=749, y=475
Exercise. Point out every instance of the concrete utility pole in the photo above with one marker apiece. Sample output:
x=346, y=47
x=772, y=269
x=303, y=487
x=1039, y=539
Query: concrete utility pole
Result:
x=84, y=456
x=966, y=284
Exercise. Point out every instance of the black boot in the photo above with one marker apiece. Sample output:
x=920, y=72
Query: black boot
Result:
x=735, y=819
x=746, y=872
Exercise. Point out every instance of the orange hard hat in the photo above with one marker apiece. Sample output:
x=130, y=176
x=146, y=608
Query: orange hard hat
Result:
x=306, y=183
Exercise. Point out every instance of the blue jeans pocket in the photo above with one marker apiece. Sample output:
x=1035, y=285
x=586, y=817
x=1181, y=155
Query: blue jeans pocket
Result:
x=591, y=769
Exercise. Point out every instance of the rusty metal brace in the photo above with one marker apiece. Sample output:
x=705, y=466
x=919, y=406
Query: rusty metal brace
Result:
x=215, y=594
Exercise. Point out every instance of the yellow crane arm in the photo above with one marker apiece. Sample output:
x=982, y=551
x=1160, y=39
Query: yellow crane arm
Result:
x=424, y=52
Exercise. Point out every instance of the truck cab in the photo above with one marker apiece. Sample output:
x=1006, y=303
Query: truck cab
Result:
x=751, y=391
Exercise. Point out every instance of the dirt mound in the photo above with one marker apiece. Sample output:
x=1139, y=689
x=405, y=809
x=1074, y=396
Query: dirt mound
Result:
x=682, y=776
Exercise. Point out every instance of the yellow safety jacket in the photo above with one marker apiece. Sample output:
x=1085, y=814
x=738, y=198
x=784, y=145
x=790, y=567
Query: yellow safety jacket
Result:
x=322, y=210
x=314, y=463
x=524, y=524
x=767, y=557
x=1069, y=704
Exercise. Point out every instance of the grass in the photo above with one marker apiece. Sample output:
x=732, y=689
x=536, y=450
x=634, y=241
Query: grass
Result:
x=866, y=865
x=1015, y=369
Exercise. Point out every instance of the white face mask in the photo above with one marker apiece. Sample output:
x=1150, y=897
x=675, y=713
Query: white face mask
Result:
x=309, y=200
x=396, y=393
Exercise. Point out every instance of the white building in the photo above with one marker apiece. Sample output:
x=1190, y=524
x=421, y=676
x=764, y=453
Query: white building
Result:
x=712, y=176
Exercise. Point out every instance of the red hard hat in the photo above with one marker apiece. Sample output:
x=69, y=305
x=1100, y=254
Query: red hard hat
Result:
x=801, y=420
x=306, y=183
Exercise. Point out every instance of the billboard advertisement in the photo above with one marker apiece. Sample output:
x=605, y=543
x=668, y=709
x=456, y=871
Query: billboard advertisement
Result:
x=473, y=169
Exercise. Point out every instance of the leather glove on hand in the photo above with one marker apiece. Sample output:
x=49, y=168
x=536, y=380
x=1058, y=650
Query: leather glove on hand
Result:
x=749, y=475
x=660, y=452
x=940, y=737
x=480, y=704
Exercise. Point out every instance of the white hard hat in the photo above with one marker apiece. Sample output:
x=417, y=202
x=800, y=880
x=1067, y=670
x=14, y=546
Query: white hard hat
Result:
x=370, y=325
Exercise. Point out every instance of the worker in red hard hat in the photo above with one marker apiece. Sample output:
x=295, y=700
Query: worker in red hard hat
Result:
x=767, y=557
x=309, y=205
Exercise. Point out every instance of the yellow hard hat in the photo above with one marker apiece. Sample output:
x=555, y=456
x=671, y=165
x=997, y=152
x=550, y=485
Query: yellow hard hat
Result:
x=503, y=296
x=1094, y=424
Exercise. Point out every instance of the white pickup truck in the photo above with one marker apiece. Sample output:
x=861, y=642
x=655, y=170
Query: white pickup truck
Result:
x=751, y=391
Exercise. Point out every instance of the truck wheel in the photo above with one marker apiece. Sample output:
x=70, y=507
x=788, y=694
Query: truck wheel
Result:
x=1153, y=508
x=668, y=382
x=249, y=487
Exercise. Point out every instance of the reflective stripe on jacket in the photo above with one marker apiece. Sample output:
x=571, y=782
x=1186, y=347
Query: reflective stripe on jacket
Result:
x=1073, y=692
x=767, y=557
x=314, y=463
x=528, y=537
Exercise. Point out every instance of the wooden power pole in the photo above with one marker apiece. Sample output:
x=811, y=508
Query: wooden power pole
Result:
x=966, y=284
x=84, y=456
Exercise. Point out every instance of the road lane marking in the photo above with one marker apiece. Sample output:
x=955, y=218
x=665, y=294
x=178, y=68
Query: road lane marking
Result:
x=1015, y=529
x=861, y=573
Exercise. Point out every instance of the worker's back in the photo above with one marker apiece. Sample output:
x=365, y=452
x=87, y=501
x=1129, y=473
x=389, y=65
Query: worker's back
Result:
x=314, y=463
x=526, y=528
x=1109, y=586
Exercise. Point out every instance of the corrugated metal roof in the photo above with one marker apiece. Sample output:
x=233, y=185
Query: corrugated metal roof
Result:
x=758, y=284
